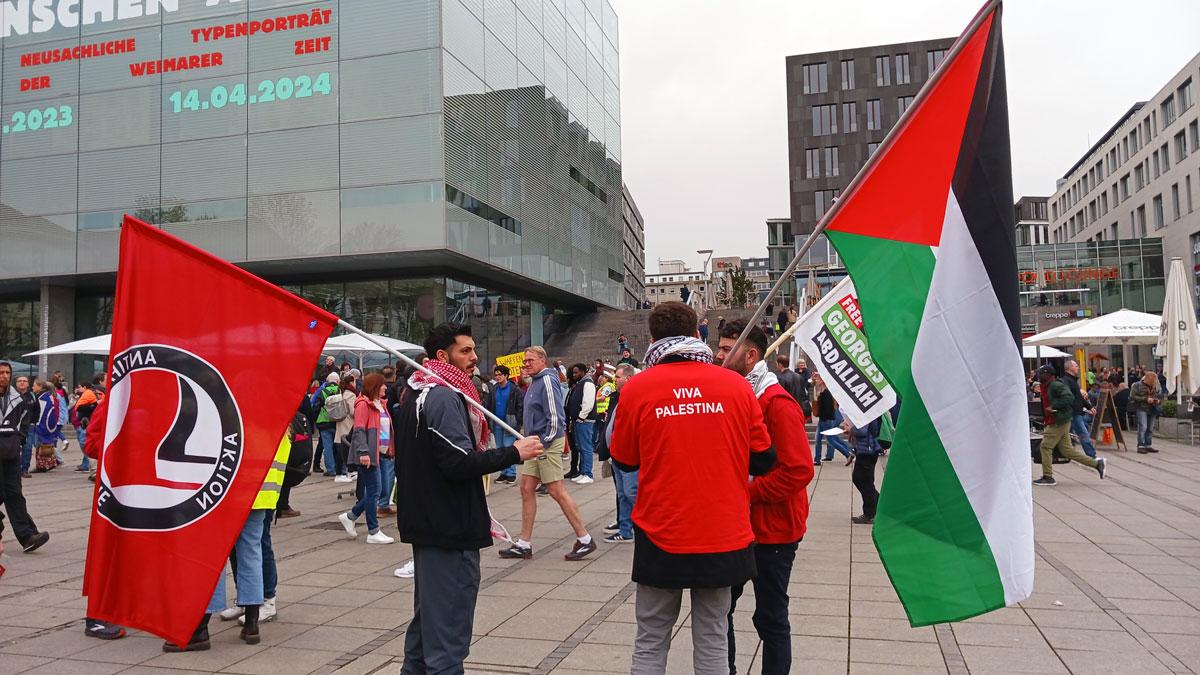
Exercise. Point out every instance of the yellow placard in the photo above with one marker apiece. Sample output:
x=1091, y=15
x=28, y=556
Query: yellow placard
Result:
x=513, y=361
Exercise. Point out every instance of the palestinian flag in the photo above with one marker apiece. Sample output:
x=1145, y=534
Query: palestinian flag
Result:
x=928, y=238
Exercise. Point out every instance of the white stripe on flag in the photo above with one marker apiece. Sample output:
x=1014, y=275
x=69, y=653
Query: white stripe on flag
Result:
x=969, y=374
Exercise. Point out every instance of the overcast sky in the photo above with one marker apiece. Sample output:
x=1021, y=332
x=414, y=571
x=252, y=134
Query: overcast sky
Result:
x=704, y=117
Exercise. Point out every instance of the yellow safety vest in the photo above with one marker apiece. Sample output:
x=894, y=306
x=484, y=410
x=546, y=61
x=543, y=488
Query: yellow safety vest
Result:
x=268, y=494
x=602, y=403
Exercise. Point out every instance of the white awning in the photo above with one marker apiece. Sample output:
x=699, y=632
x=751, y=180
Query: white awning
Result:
x=1048, y=352
x=358, y=344
x=94, y=345
x=1122, y=327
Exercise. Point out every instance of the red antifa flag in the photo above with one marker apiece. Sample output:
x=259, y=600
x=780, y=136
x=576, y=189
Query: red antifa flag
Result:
x=208, y=365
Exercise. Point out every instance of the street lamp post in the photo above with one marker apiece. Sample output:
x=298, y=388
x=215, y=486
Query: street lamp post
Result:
x=708, y=303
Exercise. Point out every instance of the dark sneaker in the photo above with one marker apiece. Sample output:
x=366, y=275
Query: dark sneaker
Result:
x=198, y=643
x=515, y=552
x=580, y=550
x=1143, y=451
x=80, y=469
x=289, y=513
x=617, y=539
x=570, y=475
x=1150, y=448
x=103, y=631
x=35, y=542
x=1045, y=480
x=614, y=527
x=541, y=490
x=1101, y=465
x=862, y=520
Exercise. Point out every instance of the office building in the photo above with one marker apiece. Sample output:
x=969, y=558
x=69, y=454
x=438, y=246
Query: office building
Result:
x=634, y=251
x=1033, y=223
x=398, y=163
x=1142, y=178
x=841, y=104
x=672, y=277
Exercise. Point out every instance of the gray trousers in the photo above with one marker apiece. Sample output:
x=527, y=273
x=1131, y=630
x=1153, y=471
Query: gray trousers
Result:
x=438, y=638
x=657, y=610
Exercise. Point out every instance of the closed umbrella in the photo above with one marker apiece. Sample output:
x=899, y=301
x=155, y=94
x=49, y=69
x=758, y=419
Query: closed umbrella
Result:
x=1178, y=342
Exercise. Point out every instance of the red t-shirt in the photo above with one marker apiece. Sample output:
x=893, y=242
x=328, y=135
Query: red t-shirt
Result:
x=690, y=427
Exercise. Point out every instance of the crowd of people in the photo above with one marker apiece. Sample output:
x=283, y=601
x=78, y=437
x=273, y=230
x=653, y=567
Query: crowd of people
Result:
x=421, y=445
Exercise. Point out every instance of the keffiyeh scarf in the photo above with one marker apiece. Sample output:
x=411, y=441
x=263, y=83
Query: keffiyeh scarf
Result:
x=690, y=348
x=760, y=378
x=452, y=376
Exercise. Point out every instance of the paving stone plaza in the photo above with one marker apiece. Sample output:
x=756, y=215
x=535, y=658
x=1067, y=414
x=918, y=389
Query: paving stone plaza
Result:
x=1118, y=591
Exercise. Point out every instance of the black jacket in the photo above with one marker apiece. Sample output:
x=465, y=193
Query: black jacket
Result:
x=793, y=384
x=574, y=403
x=439, y=474
x=1081, y=403
x=515, y=412
x=16, y=416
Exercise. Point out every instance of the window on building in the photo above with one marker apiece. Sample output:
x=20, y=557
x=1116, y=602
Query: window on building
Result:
x=1124, y=187
x=1175, y=205
x=1140, y=223
x=903, y=74
x=883, y=71
x=1168, y=110
x=1181, y=148
x=824, y=120
x=1186, y=95
x=849, y=117
x=1154, y=163
x=1194, y=132
x=902, y=103
x=847, y=74
x=1157, y=207
x=823, y=200
x=1165, y=155
x=1112, y=231
x=816, y=78
x=831, y=162
x=1187, y=182
x=871, y=148
x=812, y=163
x=1133, y=140
x=874, y=118
x=1103, y=203
x=935, y=58
x=1139, y=177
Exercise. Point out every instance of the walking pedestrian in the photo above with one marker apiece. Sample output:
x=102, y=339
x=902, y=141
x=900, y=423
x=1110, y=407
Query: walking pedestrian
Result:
x=370, y=439
x=544, y=417
x=704, y=330
x=326, y=427
x=507, y=401
x=694, y=432
x=1081, y=409
x=17, y=416
x=1144, y=398
x=29, y=400
x=778, y=499
x=1058, y=403
x=865, y=441
x=339, y=409
x=828, y=417
x=93, y=449
x=443, y=513
x=621, y=531
x=581, y=413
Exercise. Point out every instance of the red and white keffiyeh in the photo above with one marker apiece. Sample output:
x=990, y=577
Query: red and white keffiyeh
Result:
x=453, y=376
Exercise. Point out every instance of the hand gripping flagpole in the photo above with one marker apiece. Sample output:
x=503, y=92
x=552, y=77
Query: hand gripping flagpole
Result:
x=865, y=171
x=470, y=401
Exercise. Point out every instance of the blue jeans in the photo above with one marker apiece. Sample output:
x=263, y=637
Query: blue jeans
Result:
x=1079, y=426
x=249, y=573
x=1145, y=430
x=81, y=436
x=503, y=440
x=327, y=449
x=835, y=442
x=584, y=439
x=27, y=452
x=387, y=480
x=627, y=484
x=368, y=497
x=269, y=571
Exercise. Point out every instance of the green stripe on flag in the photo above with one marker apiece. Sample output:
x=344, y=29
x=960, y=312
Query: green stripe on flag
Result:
x=926, y=531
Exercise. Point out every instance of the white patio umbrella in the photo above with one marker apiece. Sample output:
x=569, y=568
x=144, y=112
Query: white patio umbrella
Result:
x=1123, y=327
x=94, y=345
x=359, y=345
x=1040, y=351
x=1178, y=342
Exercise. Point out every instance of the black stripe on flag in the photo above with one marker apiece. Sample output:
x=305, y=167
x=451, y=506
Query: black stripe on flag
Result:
x=983, y=180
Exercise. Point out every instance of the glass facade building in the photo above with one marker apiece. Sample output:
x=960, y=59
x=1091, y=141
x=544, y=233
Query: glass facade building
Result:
x=402, y=163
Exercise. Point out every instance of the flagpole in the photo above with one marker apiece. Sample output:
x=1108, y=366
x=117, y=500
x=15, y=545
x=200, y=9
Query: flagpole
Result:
x=470, y=401
x=884, y=146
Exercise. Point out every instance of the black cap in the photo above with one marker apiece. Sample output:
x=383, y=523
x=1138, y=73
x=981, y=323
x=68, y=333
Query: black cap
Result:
x=1047, y=370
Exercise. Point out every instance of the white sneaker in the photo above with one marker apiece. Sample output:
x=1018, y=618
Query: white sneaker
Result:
x=406, y=571
x=348, y=525
x=584, y=480
x=265, y=613
x=342, y=478
x=232, y=613
x=379, y=538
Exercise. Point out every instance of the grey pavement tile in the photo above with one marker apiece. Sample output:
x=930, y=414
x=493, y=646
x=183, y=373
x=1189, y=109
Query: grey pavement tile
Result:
x=73, y=667
x=889, y=629
x=1067, y=618
x=367, y=664
x=277, y=632
x=819, y=606
x=587, y=578
x=548, y=619
x=820, y=626
x=131, y=650
x=334, y=638
x=158, y=670
x=401, y=600
x=571, y=591
x=226, y=650
x=346, y=597
x=1186, y=648
x=362, y=617
x=519, y=589
x=20, y=663
x=598, y=657
x=859, y=668
x=818, y=591
x=1158, y=623
x=998, y=635
x=614, y=633
x=877, y=609
x=1083, y=639
x=492, y=611
x=893, y=652
x=981, y=658
x=1140, y=662
x=1010, y=616
x=313, y=614
x=500, y=652
x=41, y=617
x=61, y=643
x=805, y=648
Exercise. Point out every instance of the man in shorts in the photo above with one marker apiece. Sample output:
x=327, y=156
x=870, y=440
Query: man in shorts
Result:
x=546, y=418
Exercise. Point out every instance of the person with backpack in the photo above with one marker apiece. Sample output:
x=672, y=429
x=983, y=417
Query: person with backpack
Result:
x=340, y=409
x=865, y=442
x=299, y=463
x=370, y=438
x=325, y=425
x=48, y=426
